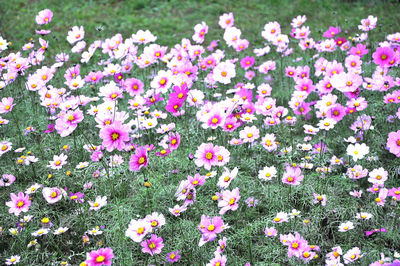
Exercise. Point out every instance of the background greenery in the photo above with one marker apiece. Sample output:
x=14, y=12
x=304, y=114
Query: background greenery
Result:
x=171, y=21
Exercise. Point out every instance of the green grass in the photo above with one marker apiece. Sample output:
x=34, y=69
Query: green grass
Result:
x=129, y=199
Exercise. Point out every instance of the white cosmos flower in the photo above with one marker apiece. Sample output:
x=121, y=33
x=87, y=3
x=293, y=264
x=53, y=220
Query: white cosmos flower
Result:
x=357, y=151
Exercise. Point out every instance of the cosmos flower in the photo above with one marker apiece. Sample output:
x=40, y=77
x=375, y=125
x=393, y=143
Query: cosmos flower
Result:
x=44, y=17
x=139, y=159
x=99, y=257
x=153, y=245
x=19, y=203
x=357, y=151
x=229, y=201
x=115, y=136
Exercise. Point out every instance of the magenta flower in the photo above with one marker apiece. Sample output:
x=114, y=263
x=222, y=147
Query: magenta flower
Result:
x=44, y=17
x=50, y=128
x=229, y=200
x=292, y=176
x=247, y=62
x=18, y=203
x=383, y=56
x=174, y=141
x=139, y=159
x=152, y=245
x=331, y=32
x=173, y=256
x=393, y=143
x=115, y=136
x=99, y=257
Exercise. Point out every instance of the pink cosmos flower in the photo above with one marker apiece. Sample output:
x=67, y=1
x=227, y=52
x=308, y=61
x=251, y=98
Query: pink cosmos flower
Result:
x=395, y=193
x=58, y=161
x=207, y=155
x=200, y=31
x=368, y=23
x=331, y=32
x=226, y=20
x=221, y=246
x=292, y=176
x=52, y=195
x=153, y=245
x=359, y=50
x=6, y=180
x=44, y=17
x=138, y=229
x=139, y=159
x=352, y=255
x=6, y=105
x=393, y=143
x=210, y=227
x=383, y=56
x=173, y=256
x=75, y=34
x=133, y=86
x=249, y=134
x=270, y=232
x=227, y=177
x=115, y=136
x=18, y=203
x=224, y=72
x=247, y=62
x=98, y=203
x=177, y=210
x=381, y=199
x=320, y=198
x=296, y=244
x=99, y=257
x=218, y=260
x=229, y=200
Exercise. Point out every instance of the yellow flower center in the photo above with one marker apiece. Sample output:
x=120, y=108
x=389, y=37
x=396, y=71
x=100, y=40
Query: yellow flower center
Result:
x=277, y=219
x=152, y=245
x=141, y=160
x=140, y=230
x=20, y=204
x=290, y=179
x=211, y=227
x=209, y=155
x=295, y=245
x=100, y=258
x=224, y=73
x=53, y=194
x=232, y=201
x=58, y=162
x=154, y=223
x=162, y=81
